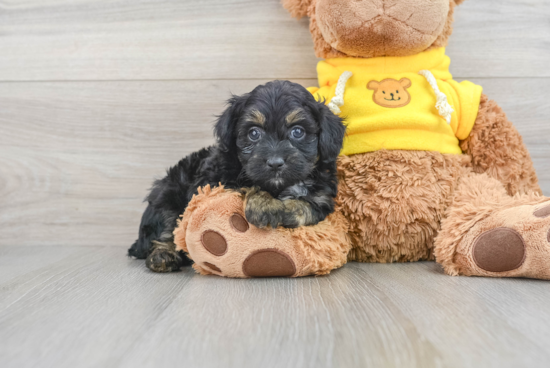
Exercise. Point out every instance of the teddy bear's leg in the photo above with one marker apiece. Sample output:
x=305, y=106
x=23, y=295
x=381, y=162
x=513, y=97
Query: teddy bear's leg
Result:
x=486, y=232
x=497, y=149
x=394, y=202
x=216, y=235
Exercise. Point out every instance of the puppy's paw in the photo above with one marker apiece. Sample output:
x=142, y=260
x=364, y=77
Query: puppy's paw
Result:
x=164, y=260
x=265, y=217
x=294, y=192
x=262, y=210
x=297, y=213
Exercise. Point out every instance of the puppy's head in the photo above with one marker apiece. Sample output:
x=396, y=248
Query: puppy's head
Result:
x=280, y=134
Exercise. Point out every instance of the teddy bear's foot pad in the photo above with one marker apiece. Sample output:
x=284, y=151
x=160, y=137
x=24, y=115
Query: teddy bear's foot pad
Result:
x=269, y=263
x=499, y=250
x=214, y=242
x=542, y=212
x=239, y=223
x=514, y=242
x=212, y=267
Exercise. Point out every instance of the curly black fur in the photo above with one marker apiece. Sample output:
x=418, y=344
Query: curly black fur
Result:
x=277, y=140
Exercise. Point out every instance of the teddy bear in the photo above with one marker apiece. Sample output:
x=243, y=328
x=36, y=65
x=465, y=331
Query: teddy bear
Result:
x=431, y=169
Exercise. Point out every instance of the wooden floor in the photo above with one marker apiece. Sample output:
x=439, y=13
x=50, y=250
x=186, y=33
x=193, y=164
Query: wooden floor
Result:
x=98, y=97
x=93, y=307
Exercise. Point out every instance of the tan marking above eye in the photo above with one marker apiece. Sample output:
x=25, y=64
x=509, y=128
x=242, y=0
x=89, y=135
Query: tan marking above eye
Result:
x=255, y=116
x=294, y=116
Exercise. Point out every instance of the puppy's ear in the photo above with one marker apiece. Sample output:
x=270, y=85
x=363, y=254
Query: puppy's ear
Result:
x=225, y=128
x=297, y=8
x=458, y=2
x=331, y=135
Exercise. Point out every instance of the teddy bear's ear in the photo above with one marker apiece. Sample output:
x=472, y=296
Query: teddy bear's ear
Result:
x=405, y=82
x=458, y=2
x=297, y=8
x=373, y=85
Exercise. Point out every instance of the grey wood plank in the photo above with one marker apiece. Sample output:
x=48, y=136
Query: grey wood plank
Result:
x=89, y=152
x=515, y=307
x=97, y=308
x=501, y=38
x=76, y=159
x=16, y=261
x=104, y=39
x=84, y=311
x=233, y=39
x=363, y=315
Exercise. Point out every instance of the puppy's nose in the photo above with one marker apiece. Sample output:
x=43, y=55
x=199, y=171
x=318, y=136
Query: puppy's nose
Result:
x=275, y=163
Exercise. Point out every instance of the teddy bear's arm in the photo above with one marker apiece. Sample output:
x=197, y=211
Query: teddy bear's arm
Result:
x=496, y=148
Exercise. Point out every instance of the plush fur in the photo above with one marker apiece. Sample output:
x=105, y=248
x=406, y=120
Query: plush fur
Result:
x=278, y=140
x=394, y=202
x=496, y=148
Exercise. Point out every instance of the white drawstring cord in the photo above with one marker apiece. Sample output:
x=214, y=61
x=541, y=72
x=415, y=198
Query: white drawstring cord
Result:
x=338, y=100
x=442, y=105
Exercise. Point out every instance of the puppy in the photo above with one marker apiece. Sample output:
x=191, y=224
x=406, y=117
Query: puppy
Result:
x=277, y=141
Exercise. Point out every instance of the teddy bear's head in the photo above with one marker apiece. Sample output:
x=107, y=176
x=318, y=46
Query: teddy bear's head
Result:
x=372, y=28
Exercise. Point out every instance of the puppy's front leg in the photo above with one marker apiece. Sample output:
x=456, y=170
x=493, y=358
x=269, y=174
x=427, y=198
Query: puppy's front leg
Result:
x=295, y=207
x=297, y=211
x=262, y=210
x=165, y=258
x=306, y=204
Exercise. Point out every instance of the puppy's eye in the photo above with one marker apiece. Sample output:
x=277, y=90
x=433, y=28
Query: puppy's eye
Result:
x=384, y=92
x=254, y=134
x=396, y=91
x=297, y=132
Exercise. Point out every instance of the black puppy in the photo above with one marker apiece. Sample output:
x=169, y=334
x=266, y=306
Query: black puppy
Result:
x=278, y=141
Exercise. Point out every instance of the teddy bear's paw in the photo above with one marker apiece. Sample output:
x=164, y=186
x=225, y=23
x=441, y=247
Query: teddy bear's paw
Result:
x=511, y=243
x=216, y=235
x=260, y=263
x=231, y=247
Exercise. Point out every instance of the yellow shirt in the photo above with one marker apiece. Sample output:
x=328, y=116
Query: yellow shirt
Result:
x=389, y=105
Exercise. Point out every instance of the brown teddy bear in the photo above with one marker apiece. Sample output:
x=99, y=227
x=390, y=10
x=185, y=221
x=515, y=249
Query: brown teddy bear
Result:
x=431, y=169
